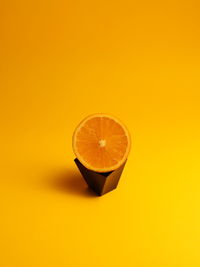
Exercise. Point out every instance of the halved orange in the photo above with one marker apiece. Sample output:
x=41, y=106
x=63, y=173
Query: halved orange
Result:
x=101, y=143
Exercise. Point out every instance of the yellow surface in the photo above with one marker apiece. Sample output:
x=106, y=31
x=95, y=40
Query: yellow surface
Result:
x=63, y=60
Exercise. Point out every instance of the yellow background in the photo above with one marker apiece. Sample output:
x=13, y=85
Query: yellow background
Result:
x=63, y=60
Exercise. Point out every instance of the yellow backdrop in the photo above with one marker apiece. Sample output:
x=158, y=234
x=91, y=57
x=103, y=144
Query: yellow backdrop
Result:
x=63, y=60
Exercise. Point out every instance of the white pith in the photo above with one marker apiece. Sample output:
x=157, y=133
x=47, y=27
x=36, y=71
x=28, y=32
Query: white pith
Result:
x=102, y=143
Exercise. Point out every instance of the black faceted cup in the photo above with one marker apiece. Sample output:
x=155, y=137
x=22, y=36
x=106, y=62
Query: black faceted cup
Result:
x=103, y=182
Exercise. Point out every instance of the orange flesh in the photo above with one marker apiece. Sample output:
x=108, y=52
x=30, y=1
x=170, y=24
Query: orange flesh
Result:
x=101, y=143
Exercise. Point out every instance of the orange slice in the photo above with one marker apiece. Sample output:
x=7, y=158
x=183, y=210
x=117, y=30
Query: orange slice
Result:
x=101, y=143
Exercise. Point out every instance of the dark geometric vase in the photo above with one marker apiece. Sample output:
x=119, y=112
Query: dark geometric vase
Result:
x=103, y=182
